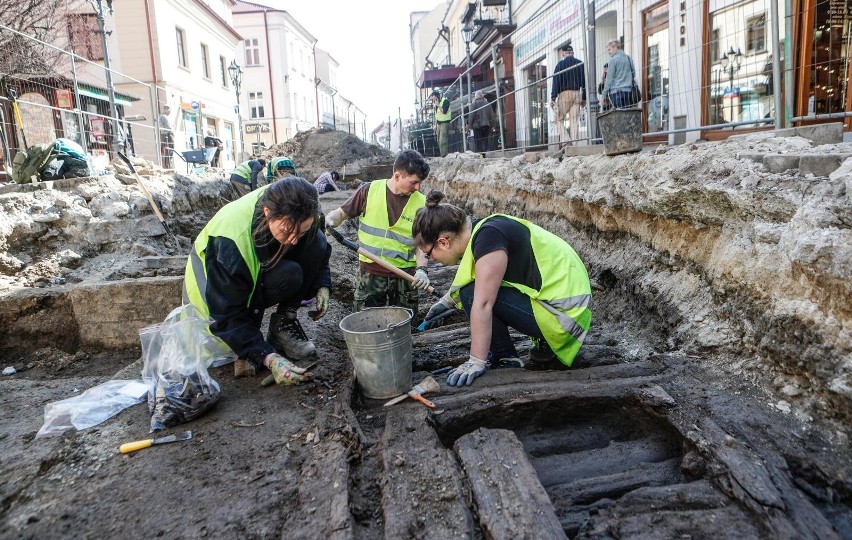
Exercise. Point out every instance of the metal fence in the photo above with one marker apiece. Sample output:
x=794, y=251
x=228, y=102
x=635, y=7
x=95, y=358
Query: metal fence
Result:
x=73, y=102
x=703, y=68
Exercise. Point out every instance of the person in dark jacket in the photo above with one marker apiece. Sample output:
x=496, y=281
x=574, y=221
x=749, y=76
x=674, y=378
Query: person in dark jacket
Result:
x=244, y=176
x=568, y=93
x=262, y=250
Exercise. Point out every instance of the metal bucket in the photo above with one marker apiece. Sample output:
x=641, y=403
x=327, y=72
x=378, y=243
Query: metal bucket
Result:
x=379, y=343
x=621, y=130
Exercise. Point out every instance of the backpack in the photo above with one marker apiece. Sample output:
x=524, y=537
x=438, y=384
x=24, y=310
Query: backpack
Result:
x=31, y=163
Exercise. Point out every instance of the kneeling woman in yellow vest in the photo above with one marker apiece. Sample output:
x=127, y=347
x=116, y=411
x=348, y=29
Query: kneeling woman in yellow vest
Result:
x=544, y=293
x=261, y=250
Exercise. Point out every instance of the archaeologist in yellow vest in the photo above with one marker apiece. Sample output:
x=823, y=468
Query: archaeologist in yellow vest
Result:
x=262, y=250
x=544, y=293
x=386, y=209
x=443, y=116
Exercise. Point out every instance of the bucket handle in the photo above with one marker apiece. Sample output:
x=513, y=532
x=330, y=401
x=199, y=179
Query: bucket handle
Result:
x=394, y=326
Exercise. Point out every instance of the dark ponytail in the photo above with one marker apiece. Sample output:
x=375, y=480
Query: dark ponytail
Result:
x=436, y=218
x=293, y=198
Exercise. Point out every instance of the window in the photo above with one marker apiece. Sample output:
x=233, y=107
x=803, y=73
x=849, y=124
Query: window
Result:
x=756, y=34
x=252, y=52
x=205, y=62
x=181, y=46
x=255, y=103
x=223, y=71
x=295, y=105
x=83, y=36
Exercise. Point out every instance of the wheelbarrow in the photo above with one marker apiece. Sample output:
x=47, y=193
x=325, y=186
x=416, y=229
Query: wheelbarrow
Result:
x=199, y=156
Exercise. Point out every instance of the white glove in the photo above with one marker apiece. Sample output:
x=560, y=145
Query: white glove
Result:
x=465, y=373
x=335, y=218
x=421, y=280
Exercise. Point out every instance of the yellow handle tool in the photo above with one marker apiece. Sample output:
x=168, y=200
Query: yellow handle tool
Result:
x=126, y=448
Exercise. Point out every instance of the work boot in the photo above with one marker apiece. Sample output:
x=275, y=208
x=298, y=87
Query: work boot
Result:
x=506, y=363
x=243, y=368
x=287, y=336
x=540, y=351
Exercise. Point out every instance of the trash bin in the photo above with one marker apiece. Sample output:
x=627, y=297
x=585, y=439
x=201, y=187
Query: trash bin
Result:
x=621, y=130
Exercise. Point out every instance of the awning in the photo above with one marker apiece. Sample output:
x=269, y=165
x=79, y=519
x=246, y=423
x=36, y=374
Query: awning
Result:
x=102, y=94
x=431, y=78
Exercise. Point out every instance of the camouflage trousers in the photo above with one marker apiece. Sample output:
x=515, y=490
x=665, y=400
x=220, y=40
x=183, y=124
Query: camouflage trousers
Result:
x=378, y=291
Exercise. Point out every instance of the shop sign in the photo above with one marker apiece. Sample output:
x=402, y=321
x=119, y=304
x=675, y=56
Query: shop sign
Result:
x=63, y=98
x=257, y=128
x=838, y=12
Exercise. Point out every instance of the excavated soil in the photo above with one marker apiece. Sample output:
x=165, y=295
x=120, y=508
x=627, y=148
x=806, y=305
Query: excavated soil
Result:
x=684, y=416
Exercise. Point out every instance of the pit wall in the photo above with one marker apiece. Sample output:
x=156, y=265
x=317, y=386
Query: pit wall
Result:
x=104, y=316
x=732, y=257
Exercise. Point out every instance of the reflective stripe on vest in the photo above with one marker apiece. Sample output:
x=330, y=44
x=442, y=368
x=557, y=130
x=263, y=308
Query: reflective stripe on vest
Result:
x=561, y=306
x=393, y=244
x=232, y=221
x=443, y=116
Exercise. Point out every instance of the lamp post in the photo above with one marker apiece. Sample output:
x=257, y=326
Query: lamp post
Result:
x=467, y=35
x=236, y=75
x=100, y=10
x=731, y=63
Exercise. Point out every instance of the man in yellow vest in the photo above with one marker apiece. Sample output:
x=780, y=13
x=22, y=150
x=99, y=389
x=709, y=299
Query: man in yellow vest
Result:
x=386, y=209
x=443, y=116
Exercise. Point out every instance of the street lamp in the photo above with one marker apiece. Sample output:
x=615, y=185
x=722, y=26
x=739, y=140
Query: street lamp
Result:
x=236, y=75
x=467, y=35
x=731, y=63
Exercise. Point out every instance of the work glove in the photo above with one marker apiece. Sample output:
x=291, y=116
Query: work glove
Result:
x=421, y=280
x=442, y=306
x=321, y=303
x=465, y=373
x=283, y=370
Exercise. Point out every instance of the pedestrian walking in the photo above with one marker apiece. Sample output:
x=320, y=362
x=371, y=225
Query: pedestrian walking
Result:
x=568, y=93
x=483, y=122
x=167, y=136
x=620, y=79
x=443, y=116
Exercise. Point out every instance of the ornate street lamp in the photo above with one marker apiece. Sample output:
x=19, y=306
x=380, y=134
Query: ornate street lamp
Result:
x=236, y=75
x=467, y=35
x=100, y=14
x=731, y=63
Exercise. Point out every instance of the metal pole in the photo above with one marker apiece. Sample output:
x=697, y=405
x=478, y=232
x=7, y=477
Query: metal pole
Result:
x=469, y=100
x=242, y=151
x=117, y=143
x=776, y=64
x=788, y=64
x=78, y=101
x=591, y=75
x=499, y=99
x=464, y=122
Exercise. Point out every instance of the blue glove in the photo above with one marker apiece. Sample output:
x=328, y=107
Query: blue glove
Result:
x=442, y=306
x=465, y=373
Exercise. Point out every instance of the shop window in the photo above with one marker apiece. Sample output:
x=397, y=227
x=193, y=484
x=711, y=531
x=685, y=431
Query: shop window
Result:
x=84, y=35
x=756, y=34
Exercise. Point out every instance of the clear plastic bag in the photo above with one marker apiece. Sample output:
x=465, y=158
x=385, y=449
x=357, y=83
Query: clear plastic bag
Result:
x=176, y=354
x=91, y=407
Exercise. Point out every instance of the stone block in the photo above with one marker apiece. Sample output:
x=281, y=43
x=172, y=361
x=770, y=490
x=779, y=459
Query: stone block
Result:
x=822, y=133
x=777, y=163
x=820, y=164
x=588, y=150
x=531, y=157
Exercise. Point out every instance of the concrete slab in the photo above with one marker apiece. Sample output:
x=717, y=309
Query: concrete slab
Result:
x=589, y=150
x=777, y=163
x=821, y=164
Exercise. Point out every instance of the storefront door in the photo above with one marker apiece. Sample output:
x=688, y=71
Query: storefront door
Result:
x=537, y=84
x=655, y=100
x=826, y=79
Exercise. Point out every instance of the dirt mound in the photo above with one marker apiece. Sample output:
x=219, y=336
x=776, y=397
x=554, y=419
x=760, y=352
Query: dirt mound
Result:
x=319, y=150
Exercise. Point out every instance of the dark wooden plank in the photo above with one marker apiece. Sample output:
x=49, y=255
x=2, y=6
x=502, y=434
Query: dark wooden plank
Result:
x=327, y=474
x=720, y=523
x=422, y=491
x=511, y=502
x=613, y=486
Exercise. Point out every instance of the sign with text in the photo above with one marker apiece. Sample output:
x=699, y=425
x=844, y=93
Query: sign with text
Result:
x=257, y=128
x=64, y=99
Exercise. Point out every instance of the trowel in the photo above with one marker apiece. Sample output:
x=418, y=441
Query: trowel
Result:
x=126, y=448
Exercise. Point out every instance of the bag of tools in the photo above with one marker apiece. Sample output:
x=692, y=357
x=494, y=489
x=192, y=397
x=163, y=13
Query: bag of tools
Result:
x=176, y=354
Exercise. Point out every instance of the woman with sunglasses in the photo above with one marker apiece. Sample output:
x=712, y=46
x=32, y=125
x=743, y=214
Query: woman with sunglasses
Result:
x=544, y=293
x=261, y=250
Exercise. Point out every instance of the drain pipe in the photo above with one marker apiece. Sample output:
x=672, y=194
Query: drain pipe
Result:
x=271, y=84
x=776, y=65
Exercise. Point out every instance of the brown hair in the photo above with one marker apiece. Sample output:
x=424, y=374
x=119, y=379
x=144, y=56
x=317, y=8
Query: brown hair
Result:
x=293, y=198
x=436, y=218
